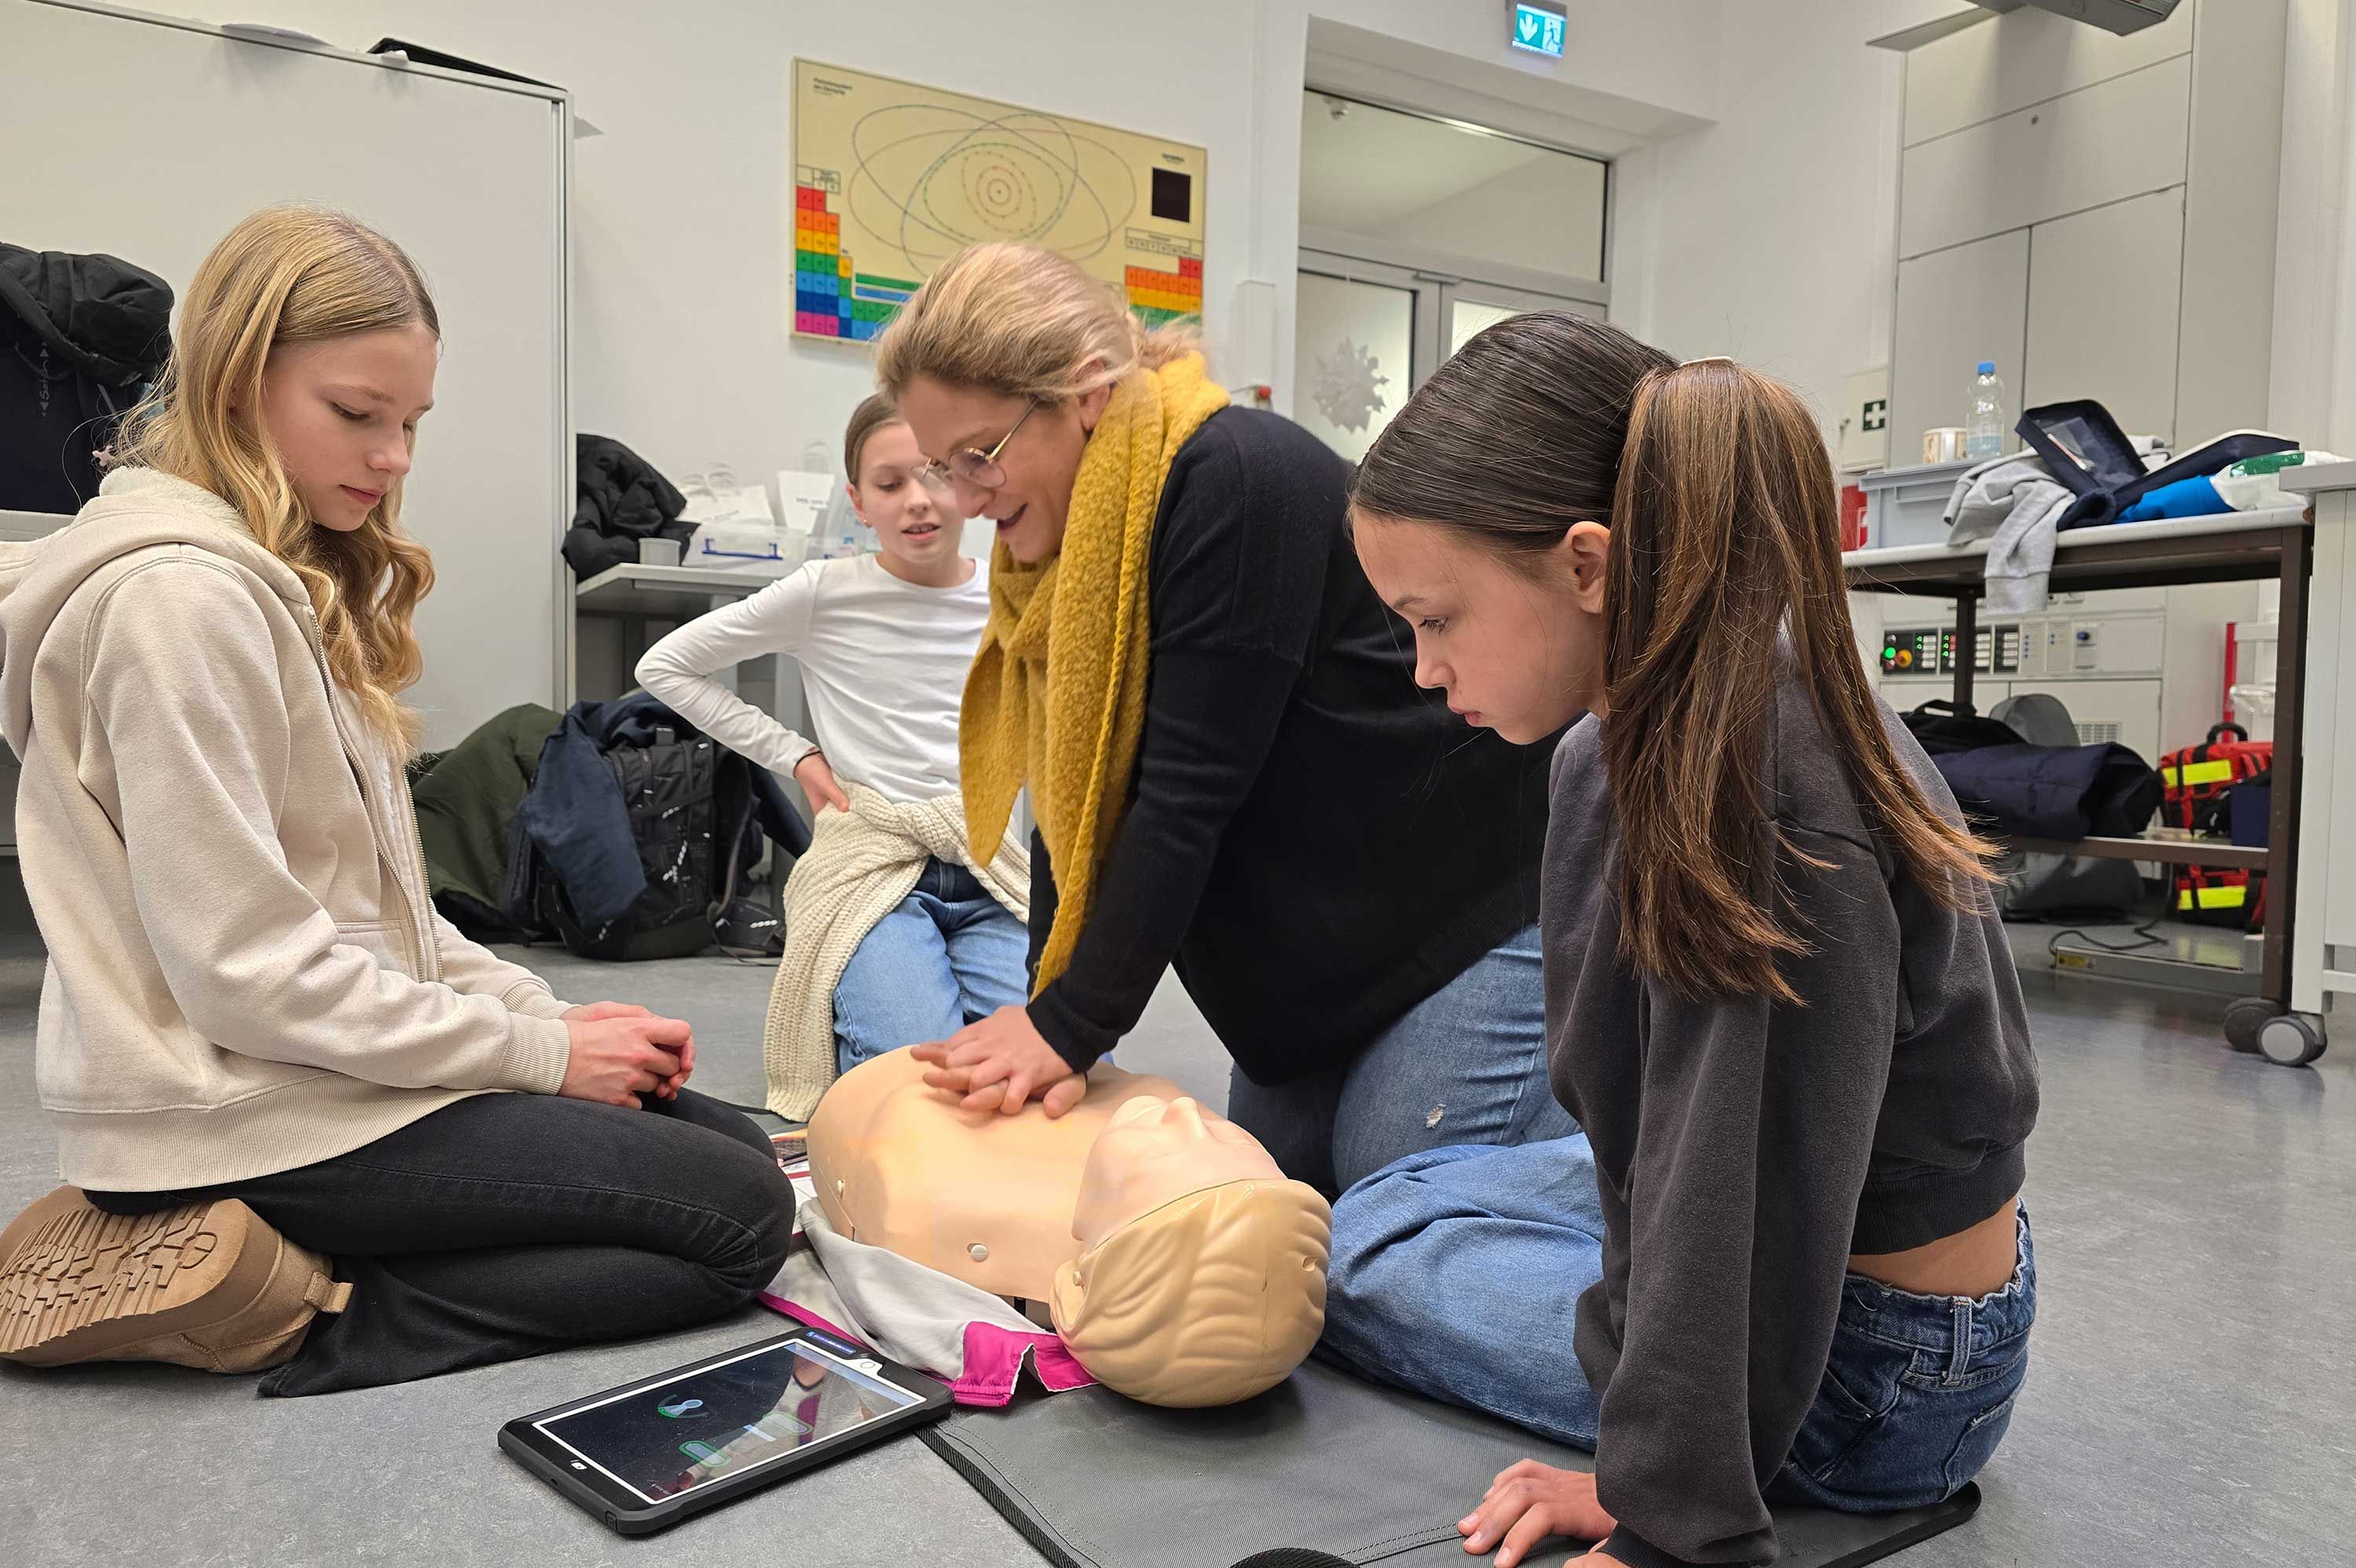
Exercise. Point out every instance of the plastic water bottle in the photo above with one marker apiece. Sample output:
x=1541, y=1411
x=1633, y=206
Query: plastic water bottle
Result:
x=1984, y=432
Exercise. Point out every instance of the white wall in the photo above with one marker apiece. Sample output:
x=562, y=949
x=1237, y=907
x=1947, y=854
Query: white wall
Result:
x=682, y=235
x=1770, y=235
x=2314, y=370
x=682, y=241
x=1764, y=234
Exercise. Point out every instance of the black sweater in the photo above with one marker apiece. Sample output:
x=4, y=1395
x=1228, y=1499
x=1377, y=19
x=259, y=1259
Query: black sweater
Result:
x=1751, y=1148
x=1315, y=843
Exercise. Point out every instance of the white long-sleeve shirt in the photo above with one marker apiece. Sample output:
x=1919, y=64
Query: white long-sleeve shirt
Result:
x=883, y=666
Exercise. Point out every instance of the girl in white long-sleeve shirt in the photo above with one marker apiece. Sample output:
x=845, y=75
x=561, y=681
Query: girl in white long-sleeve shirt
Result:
x=883, y=643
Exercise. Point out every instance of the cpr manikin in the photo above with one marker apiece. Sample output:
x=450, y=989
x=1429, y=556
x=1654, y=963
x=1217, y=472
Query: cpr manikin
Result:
x=1180, y=1266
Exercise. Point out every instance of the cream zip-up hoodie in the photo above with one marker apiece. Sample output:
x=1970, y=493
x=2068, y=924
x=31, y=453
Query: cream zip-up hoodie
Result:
x=246, y=971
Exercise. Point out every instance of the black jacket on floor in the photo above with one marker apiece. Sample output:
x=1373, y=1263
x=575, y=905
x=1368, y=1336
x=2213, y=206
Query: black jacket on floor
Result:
x=1314, y=842
x=81, y=336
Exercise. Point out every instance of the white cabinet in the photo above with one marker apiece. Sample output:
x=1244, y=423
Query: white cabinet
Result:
x=2101, y=144
x=2115, y=197
x=1956, y=309
x=1983, y=72
x=2103, y=290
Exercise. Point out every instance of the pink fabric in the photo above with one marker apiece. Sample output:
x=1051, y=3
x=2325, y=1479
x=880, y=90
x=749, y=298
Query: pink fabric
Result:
x=993, y=1364
x=807, y=1318
x=994, y=1357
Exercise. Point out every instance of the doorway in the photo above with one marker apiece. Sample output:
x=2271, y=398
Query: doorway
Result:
x=1416, y=233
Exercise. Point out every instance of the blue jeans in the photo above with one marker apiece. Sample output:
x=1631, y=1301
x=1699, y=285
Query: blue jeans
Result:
x=1465, y=1065
x=1457, y=1273
x=1916, y=1394
x=949, y=955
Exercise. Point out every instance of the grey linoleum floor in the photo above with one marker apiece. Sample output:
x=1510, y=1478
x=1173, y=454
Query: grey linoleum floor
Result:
x=2193, y=1396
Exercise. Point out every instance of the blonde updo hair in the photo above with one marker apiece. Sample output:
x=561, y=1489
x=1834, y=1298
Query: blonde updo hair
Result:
x=1206, y=1300
x=1025, y=322
x=296, y=274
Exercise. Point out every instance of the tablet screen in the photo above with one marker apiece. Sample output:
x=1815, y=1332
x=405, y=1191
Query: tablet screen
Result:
x=667, y=1439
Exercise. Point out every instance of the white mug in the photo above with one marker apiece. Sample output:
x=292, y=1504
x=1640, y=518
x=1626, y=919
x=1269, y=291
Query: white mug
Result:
x=1944, y=444
x=659, y=553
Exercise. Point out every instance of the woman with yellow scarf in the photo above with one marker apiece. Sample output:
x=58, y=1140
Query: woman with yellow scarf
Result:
x=1229, y=759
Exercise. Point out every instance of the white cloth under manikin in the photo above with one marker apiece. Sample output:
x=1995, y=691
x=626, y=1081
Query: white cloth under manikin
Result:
x=974, y=1341
x=884, y=664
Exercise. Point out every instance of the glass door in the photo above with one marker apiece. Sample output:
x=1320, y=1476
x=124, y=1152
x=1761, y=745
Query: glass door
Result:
x=1367, y=333
x=1473, y=308
x=1355, y=350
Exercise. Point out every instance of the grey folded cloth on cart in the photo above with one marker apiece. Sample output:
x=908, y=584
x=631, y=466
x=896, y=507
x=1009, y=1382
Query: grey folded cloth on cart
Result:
x=2018, y=501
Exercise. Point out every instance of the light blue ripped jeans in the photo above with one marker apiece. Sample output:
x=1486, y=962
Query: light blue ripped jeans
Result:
x=1465, y=1065
x=949, y=955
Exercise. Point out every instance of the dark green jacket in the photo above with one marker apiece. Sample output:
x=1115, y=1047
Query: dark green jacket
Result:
x=466, y=800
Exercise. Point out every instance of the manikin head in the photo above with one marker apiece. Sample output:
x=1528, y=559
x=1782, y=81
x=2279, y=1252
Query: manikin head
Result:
x=1181, y=1266
x=1201, y=1280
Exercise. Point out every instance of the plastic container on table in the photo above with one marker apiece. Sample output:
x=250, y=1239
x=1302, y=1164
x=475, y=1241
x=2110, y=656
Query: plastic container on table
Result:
x=1908, y=505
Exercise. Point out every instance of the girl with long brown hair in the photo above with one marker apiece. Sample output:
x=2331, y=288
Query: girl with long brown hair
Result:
x=1779, y=998
x=309, y=1126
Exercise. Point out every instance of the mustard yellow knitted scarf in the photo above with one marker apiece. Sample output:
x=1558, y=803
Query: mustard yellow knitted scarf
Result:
x=1057, y=698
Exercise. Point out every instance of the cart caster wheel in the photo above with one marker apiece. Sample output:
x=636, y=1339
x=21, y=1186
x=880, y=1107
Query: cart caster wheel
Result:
x=2292, y=1040
x=2243, y=1019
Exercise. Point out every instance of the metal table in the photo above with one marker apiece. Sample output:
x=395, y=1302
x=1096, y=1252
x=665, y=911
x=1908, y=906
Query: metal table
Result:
x=2234, y=546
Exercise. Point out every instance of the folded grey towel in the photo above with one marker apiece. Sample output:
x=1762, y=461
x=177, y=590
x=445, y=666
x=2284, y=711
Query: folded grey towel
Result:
x=2020, y=557
x=1982, y=496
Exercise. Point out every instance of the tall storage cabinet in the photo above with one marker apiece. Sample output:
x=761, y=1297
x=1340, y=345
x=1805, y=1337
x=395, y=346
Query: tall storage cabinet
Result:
x=2096, y=214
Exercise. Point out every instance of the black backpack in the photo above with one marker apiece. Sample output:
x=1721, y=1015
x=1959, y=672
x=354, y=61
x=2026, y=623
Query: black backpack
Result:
x=696, y=825
x=1943, y=727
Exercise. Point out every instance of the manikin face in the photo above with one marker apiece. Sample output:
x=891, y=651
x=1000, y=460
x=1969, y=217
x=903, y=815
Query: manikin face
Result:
x=1516, y=647
x=1156, y=1151
x=343, y=413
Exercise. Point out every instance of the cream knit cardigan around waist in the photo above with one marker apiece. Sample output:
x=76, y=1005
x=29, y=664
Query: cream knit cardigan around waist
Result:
x=861, y=864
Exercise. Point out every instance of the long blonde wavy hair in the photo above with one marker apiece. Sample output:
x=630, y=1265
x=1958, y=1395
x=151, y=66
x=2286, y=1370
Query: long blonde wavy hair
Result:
x=1022, y=321
x=296, y=274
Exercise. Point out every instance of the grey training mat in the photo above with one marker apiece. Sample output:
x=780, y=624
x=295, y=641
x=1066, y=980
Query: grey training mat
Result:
x=1323, y=1462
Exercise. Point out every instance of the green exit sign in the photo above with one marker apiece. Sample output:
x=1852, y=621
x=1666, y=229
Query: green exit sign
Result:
x=1539, y=29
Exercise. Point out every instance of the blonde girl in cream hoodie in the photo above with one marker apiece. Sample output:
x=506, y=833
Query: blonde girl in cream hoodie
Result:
x=308, y=1126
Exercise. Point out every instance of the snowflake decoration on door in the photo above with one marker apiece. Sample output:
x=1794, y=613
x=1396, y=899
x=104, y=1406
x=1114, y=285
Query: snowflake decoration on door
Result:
x=1349, y=386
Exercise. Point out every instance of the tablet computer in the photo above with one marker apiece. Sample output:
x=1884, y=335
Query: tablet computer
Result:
x=643, y=1456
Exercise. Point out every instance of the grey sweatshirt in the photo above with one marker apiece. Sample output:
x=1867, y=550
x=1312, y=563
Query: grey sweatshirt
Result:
x=1748, y=1148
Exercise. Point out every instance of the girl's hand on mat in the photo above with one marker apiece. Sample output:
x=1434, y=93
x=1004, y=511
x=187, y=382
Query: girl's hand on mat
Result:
x=616, y=1060
x=1530, y=1502
x=999, y=1063
x=817, y=783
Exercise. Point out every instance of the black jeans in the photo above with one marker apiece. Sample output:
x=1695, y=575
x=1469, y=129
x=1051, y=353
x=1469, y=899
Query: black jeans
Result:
x=505, y=1225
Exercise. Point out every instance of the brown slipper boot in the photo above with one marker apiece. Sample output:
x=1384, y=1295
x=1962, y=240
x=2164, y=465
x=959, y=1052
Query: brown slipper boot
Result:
x=205, y=1285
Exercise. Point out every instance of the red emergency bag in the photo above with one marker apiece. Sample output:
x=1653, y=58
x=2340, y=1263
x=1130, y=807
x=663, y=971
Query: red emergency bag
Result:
x=2194, y=781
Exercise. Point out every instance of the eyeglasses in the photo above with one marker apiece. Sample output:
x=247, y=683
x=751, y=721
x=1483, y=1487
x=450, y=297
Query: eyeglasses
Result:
x=976, y=467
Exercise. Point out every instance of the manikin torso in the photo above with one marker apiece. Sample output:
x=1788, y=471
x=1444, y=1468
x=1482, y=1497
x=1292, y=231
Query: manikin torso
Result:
x=1000, y=1201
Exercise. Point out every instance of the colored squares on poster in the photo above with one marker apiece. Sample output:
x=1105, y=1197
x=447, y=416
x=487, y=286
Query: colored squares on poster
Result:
x=830, y=298
x=1158, y=296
